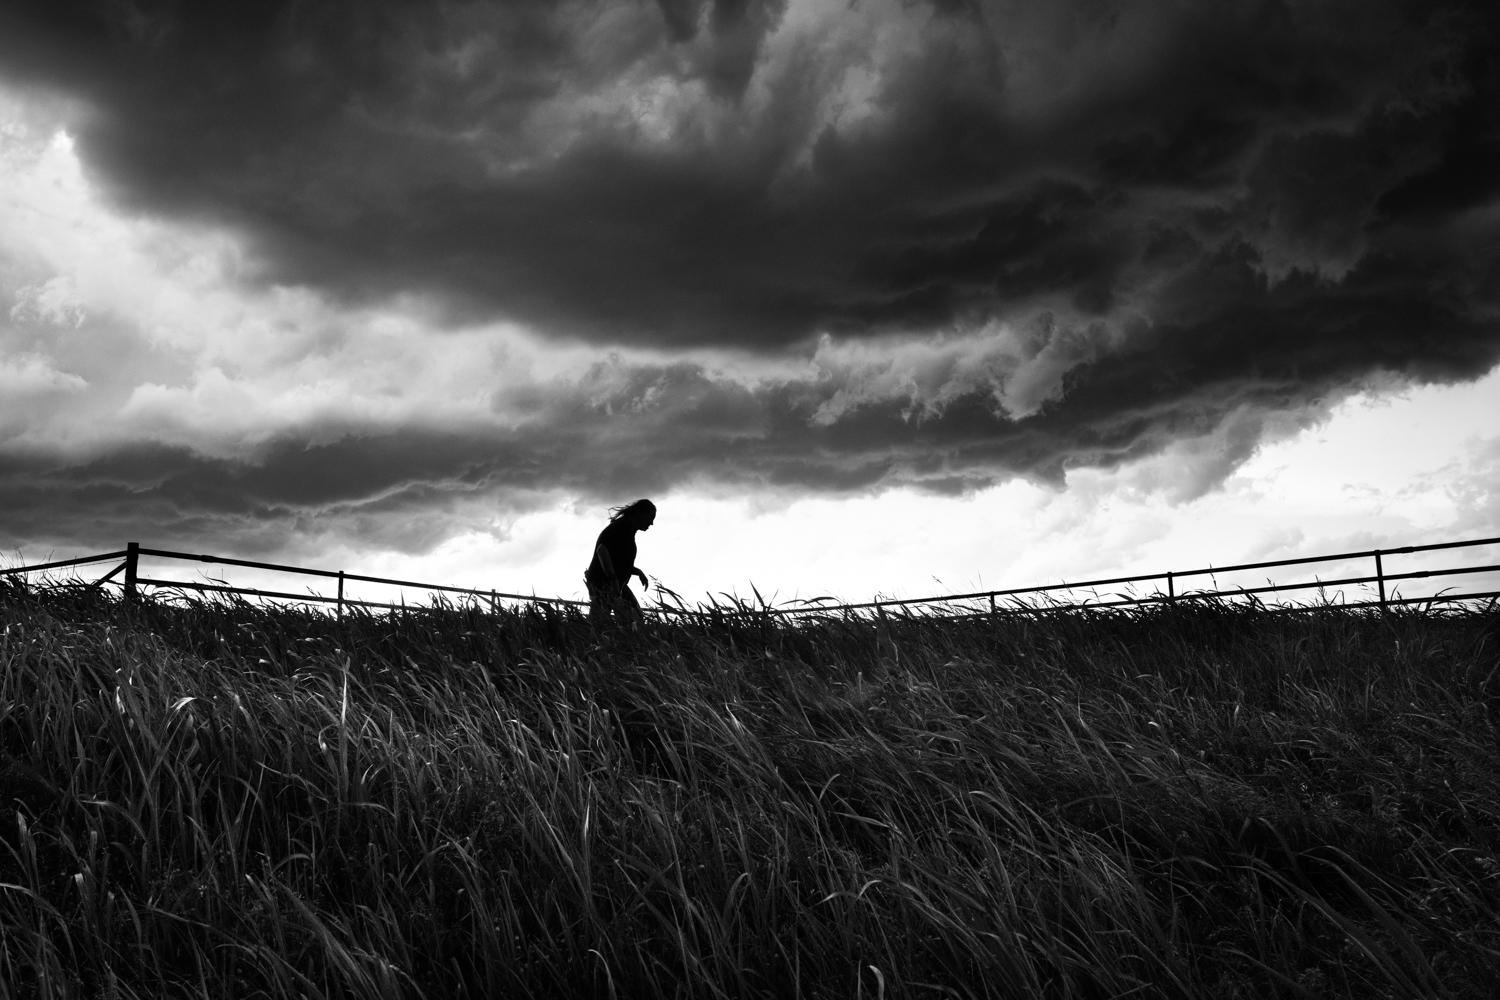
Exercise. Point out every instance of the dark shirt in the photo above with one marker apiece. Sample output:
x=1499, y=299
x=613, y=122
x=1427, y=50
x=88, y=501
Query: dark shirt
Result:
x=618, y=539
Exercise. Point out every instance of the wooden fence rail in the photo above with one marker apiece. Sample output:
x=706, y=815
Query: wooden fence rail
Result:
x=1014, y=597
x=1172, y=577
x=133, y=581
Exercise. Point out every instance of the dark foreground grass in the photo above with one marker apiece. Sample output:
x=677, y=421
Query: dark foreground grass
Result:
x=222, y=801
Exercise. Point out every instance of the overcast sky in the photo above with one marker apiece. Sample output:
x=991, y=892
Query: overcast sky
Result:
x=882, y=296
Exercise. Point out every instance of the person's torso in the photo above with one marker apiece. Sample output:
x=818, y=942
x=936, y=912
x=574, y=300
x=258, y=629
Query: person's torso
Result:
x=618, y=540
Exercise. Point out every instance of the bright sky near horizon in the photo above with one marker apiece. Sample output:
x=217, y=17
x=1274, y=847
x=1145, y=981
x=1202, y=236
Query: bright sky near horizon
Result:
x=874, y=299
x=1400, y=468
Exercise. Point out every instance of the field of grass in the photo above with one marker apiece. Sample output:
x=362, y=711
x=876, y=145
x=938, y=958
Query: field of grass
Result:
x=218, y=800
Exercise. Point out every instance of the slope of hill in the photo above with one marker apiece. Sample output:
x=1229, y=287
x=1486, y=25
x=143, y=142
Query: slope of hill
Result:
x=213, y=799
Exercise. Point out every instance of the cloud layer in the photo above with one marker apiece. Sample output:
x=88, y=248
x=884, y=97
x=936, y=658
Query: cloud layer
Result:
x=395, y=263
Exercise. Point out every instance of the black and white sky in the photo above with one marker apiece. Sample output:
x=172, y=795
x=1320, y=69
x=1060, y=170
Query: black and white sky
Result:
x=861, y=292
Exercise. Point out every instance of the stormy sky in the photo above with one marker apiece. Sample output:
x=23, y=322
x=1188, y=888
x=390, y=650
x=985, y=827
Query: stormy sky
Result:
x=362, y=279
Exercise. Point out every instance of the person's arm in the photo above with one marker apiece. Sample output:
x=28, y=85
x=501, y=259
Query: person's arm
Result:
x=645, y=583
x=605, y=562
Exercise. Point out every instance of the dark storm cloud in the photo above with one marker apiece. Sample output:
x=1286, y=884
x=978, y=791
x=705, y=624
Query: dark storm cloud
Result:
x=1013, y=156
x=1177, y=212
x=626, y=429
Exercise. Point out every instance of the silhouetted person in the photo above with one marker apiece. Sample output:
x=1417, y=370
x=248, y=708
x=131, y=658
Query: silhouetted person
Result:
x=608, y=575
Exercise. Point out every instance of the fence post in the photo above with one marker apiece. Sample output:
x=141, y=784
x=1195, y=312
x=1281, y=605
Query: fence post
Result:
x=1380, y=578
x=341, y=595
x=992, y=604
x=1171, y=589
x=132, y=560
x=495, y=604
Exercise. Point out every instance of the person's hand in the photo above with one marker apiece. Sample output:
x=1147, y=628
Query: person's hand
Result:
x=645, y=583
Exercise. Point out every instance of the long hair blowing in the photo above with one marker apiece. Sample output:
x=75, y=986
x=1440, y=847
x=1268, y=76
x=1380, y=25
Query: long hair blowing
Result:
x=615, y=513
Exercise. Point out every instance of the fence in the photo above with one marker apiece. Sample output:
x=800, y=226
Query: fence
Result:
x=1384, y=581
x=1387, y=585
x=131, y=559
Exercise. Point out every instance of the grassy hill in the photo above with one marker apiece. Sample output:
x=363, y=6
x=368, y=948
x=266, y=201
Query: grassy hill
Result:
x=219, y=800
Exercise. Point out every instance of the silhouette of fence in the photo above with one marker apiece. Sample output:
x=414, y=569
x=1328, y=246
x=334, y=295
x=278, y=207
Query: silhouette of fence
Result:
x=130, y=566
x=1015, y=599
x=1384, y=581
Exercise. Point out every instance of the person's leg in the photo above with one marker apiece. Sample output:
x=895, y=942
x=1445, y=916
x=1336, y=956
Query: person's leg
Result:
x=600, y=600
x=630, y=608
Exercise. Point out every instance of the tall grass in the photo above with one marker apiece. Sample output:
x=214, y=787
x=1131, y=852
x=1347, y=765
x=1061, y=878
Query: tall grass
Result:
x=214, y=799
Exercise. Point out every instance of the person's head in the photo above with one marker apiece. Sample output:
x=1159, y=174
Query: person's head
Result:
x=639, y=515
